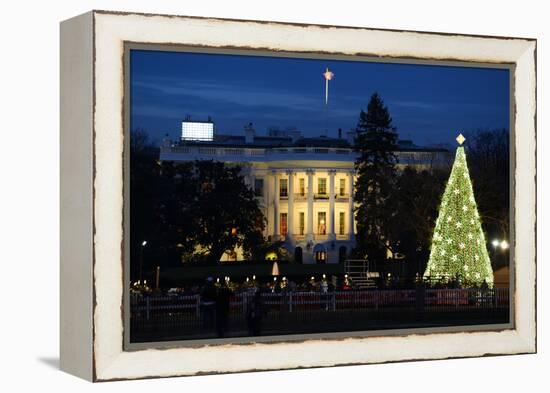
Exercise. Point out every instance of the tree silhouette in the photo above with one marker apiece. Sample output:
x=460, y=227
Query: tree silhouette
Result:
x=190, y=211
x=376, y=142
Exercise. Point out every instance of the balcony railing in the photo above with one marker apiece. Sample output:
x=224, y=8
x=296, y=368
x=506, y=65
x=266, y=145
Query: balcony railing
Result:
x=227, y=151
x=304, y=197
x=316, y=236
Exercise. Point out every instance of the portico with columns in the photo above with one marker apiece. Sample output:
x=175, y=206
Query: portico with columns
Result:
x=312, y=208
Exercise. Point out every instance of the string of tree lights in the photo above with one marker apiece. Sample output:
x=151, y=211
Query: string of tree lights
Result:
x=459, y=249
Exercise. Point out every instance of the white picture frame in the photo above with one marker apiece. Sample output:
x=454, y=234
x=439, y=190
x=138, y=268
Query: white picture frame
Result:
x=93, y=194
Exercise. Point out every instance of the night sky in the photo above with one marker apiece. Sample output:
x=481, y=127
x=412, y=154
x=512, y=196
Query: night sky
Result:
x=428, y=104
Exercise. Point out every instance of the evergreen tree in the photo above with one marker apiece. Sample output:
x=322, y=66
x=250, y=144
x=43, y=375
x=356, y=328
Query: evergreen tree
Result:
x=458, y=247
x=376, y=142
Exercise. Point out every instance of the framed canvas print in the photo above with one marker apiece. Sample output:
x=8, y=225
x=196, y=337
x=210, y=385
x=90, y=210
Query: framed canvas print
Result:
x=248, y=195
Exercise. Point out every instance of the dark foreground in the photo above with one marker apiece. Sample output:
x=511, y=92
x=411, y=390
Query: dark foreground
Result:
x=173, y=318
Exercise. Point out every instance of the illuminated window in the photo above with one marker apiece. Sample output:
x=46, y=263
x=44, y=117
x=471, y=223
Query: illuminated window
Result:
x=322, y=223
x=321, y=256
x=283, y=224
x=301, y=221
x=322, y=186
x=342, y=187
x=342, y=223
x=302, y=187
x=283, y=187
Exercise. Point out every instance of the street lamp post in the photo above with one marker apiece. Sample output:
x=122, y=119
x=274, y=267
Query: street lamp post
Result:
x=142, y=245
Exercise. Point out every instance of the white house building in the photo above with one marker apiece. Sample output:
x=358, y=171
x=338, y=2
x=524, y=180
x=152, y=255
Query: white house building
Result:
x=304, y=185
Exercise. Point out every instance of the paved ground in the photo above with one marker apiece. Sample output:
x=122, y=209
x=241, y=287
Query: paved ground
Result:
x=185, y=326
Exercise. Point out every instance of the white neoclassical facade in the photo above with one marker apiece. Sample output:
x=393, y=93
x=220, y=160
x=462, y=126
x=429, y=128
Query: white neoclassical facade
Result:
x=304, y=186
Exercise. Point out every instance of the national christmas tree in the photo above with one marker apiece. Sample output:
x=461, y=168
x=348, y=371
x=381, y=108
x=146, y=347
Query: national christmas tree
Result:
x=458, y=247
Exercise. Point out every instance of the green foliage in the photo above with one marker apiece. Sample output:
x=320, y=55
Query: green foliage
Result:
x=376, y=174
x=211, y=210
x=191, y=211
x=458, y=247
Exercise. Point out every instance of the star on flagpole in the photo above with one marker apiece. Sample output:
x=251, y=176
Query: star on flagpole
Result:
x=328, y=76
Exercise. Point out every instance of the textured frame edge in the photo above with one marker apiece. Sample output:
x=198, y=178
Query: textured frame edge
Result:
x=76, y=196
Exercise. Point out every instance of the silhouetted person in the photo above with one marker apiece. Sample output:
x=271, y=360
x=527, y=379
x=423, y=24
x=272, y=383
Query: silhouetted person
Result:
x=222, y=309
x=208, y=303
x=323, y=287
x=255, y=313
x=420, y=298
x=485, y=295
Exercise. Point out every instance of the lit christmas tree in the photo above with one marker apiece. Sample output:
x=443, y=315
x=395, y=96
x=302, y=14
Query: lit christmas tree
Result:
x=458, y=245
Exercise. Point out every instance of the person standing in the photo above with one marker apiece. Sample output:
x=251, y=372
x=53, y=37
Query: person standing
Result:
x=254, y=314
x=208, y=303
x=324, y=293
x=420, y=298
x=222, y=309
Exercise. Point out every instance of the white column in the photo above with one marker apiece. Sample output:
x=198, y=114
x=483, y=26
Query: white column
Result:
x=309, y=232
x=276, y=197
x=331, y=234
x=290, y=214
x=351, y=215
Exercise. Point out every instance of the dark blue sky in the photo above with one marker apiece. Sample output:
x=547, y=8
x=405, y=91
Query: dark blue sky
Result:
x=429, y=104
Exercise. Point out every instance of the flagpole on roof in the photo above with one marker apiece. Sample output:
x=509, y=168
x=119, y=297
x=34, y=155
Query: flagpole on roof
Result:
x=328, y=76
x=326, y=91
